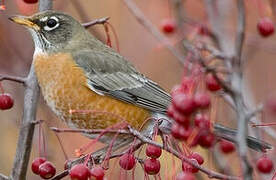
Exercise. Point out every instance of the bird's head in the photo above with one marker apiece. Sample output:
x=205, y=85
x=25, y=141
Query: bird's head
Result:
x=51, y=30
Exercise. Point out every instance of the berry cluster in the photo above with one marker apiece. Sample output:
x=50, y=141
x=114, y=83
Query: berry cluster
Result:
x=43, y=168
x=192, y=123
x=47, y=170
x=152, y=164
x=187, y=106
x=82, y=172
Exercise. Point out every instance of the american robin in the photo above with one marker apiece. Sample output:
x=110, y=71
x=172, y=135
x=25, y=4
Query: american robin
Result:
x=78, y=72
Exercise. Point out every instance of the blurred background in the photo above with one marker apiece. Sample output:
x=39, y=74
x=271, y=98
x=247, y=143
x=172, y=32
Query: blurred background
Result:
x=148, y=55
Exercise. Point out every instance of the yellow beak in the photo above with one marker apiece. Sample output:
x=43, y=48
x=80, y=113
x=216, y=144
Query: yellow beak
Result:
x=24, y=21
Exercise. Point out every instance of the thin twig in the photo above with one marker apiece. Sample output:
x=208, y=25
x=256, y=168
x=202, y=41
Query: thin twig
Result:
x=94, y=22
x=3, y=177
x=90, y=131
x=12, y=78
x=211, y=174
x=137, y=13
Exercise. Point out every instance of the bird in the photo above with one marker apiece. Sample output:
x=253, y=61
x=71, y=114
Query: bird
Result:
x=76, y=71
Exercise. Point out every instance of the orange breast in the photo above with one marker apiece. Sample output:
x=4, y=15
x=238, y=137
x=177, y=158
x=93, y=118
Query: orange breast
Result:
x=64, y=88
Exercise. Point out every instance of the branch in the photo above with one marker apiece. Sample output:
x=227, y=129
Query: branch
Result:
x=243, y=118
x=94, y=22
x=140, y=17
x=99, y=155
x=3, y=177
x=211, y=174
x=12, y=78
x=240, y=31
x=24, y=143
x=91, y=131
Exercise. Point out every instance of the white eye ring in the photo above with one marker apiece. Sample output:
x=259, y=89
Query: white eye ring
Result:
x=47, y=28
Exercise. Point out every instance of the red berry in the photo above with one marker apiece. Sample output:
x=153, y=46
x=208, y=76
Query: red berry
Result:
x=152, y=166
x=185, y=176
x=265, y=27
x=203, y=30
x=207, y=139
x=170, y=111
x=184, y=103
x=79, y=172
x=226, y=146
x=6, y=101
x=47, y=170
x=153, y=151
x=197, y=157
x=202, y=100
x=98, y=173
x=178, y=117
x=168, y=26
x=211, y=83
x=186, y=167
x=270, y=104
x=127, y=161
x=36, y=163
x=180, y=132
x=264, y=165
x=187, y=83
x=30, y=1
x=177, y=90
x=202, y=121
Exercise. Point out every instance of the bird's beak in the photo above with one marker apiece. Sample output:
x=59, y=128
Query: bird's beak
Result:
x=24, y=21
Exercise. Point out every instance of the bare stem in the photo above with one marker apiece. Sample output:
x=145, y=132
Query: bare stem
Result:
x=211, y=174
x=140, y=17
x=12, y=78
x=94, y=22
x=90, y=131
x=3, y=177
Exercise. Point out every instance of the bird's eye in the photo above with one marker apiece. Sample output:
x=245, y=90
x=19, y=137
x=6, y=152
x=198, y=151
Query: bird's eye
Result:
x=51, y=23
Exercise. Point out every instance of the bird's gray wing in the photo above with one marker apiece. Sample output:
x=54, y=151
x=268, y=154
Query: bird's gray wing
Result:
x=110, y=74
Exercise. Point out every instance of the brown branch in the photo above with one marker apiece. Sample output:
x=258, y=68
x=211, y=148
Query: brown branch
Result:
x=97, y=21
x=12, y=78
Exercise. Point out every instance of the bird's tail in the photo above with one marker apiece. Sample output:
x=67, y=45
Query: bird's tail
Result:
x=230, y=134
x=221, y=132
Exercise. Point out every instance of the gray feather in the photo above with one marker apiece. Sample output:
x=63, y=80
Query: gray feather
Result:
x=110, y=74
